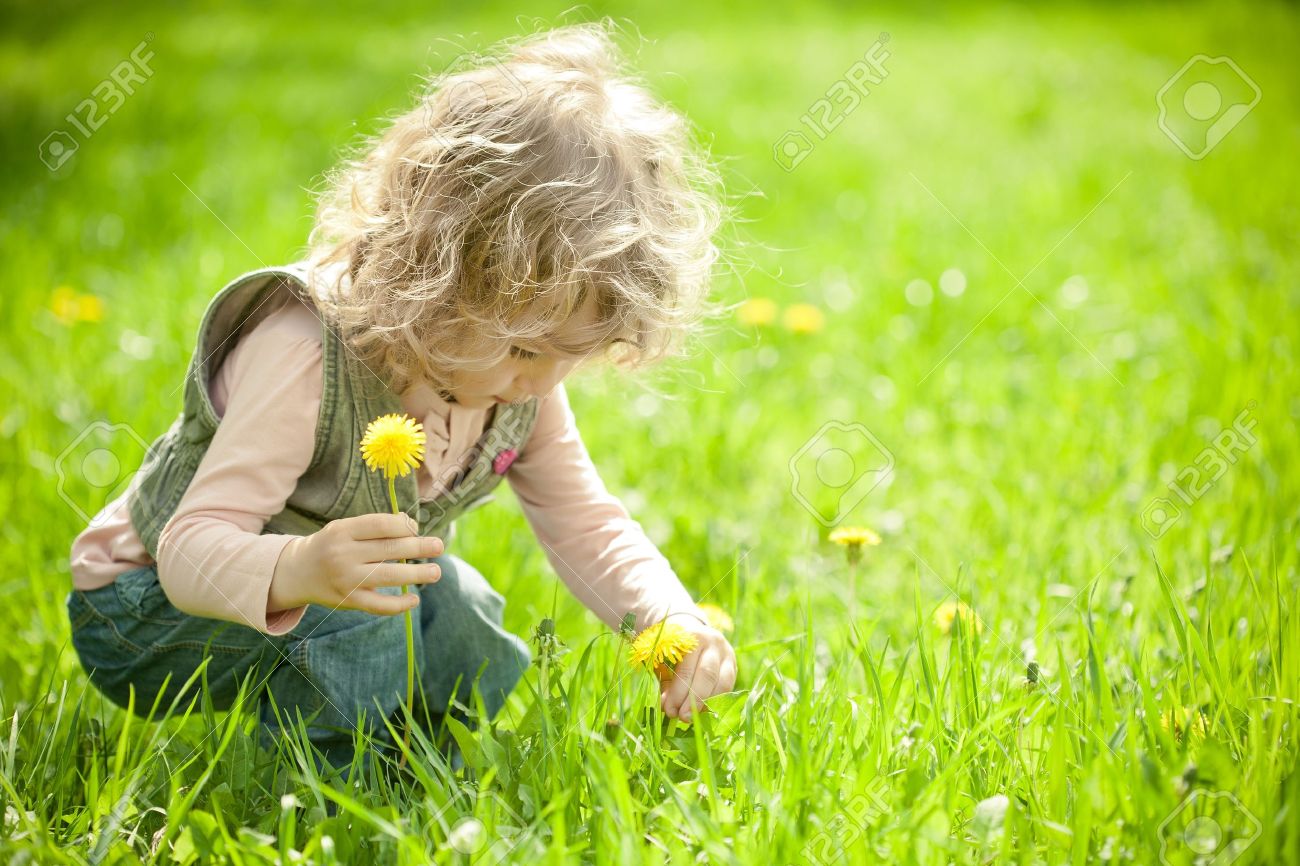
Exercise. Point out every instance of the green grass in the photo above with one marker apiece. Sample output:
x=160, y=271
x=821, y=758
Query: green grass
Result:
x=1031, y=427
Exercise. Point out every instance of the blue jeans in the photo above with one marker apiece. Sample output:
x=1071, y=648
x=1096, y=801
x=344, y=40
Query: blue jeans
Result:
x=337, y=668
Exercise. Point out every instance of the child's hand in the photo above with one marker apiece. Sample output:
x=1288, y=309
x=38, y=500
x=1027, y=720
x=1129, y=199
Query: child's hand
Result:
x=708, y=670
x=343, y=564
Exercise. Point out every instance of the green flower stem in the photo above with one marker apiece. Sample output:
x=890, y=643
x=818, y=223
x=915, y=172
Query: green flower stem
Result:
x=410, y=635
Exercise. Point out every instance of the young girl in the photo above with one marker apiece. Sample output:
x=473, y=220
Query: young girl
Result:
x=529, y=213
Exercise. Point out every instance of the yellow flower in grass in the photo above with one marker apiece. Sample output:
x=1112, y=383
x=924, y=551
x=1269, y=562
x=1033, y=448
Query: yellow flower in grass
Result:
x=717, y=617
x=854, y=536
x=660, y=647
x=853, y=539
x=804, y=318
x=1187, y=721
x=757, y=312
x=70, y=306
x=950, y=611
x=393, y=444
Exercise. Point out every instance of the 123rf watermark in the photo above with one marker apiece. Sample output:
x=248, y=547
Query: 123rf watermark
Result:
x=847, y=826
x=1204, y=101
x=1208, y=827
x=105, y=99
x=836, y=468
x=827, y=113
x=1195, y=480
x=96, y=469
x=512, y=839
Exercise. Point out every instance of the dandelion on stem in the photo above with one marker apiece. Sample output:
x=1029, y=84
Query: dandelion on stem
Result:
x=394, y=445
x=853, y=539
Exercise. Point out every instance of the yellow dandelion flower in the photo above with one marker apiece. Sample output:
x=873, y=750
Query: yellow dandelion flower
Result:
x=70, y=306
x=717, y=617
x=63, y=303
x=393, y=444
x=854, y=536
x=660, y=647
x=853, y=539
x=757, y=312
x=948, y=613
x=804, y=318
x=90, y=308
x=1187, y=721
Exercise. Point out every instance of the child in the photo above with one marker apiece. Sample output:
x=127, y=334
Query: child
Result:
x=527, y=214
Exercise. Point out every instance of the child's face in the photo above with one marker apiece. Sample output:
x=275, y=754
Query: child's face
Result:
x=522, y=375
x=529, y=370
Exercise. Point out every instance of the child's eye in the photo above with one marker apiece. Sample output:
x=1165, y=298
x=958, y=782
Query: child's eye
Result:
x=524, y=354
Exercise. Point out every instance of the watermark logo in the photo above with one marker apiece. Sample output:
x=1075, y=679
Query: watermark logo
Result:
x=1195, y=480
x=1208, y=828
x=93, y=112
x=1203, y=102
x=1159, y=515
x=836, y=468
x=846, y=826
x=97, y=467
x=492, y=454
x=841, y=99
x=470, y=836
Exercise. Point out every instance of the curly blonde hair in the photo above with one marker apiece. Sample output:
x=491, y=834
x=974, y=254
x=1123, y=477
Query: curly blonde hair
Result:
x=517, y=189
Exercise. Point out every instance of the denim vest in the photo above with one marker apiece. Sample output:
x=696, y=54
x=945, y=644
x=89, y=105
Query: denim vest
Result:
x=337, y=483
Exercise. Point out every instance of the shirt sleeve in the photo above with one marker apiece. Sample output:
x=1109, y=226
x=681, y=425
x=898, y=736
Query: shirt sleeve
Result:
x=598, y=550
x=213, y=560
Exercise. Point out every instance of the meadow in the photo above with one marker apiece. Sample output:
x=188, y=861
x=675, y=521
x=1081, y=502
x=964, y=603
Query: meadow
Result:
x=987, y=279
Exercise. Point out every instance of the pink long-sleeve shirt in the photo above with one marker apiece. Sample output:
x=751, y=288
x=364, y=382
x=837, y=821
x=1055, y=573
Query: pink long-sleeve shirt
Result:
x=214, y=562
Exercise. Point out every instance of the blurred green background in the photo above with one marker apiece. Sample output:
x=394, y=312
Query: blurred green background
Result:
x=1110, y=304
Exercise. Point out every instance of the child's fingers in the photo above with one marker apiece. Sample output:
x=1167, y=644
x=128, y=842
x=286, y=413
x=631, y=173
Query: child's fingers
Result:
x=703, y=686
x=676, y=693
x=727, y=674
x=366, y=526
x=405, y=547
x=384, y=605
x=401, y=574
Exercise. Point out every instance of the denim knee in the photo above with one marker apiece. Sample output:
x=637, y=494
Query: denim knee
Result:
x=348, y=670
x=349, y=667
x=465, y=639
x=129, y=638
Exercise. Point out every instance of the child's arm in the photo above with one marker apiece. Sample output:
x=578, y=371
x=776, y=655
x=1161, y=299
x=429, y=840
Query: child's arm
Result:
x=600, y=552
x=213, y=560
x=604, y=556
